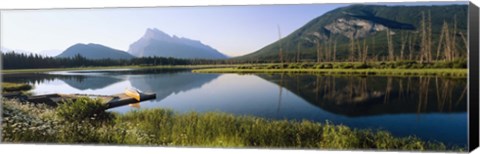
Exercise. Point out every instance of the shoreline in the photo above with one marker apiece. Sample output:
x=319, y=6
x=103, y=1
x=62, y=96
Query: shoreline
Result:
x=232, y=68
x=39, y=70
x=368, y=72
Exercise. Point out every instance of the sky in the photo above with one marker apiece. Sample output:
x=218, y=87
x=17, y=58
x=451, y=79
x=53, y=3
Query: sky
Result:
x=232, y=30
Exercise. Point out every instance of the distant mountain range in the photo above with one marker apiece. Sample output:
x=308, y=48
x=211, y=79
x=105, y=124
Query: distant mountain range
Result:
x=94, y=51
x=158, y=43
x=153, y=43
x=363, y=22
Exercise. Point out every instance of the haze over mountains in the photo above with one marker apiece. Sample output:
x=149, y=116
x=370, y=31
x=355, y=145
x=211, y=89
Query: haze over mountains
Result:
x=153, y=43
x=50, y=53
x=4, y=49
x=157, y=43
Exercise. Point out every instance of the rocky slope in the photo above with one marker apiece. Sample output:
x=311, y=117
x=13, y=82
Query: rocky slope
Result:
x=157, y=43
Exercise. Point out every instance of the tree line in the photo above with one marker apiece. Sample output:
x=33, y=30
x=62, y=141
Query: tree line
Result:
x=13, y=60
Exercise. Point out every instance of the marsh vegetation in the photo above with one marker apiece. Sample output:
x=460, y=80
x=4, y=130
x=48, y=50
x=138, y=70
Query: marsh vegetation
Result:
x=23, y=123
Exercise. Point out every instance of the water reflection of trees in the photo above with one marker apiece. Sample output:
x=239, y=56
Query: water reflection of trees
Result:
x=361, y=96
x=29, y=78
x=81, y=82
x=85, y=79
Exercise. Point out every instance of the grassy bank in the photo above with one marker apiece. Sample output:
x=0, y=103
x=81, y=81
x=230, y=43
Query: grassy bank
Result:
x=37, y=123
x=380, y=72
x=12, y=71
x=9, y=87
x=398, y=68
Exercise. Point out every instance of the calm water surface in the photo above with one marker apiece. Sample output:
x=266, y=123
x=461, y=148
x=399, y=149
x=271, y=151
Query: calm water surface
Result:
x=431, y=108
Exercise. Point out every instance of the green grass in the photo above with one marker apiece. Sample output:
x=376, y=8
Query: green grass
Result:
x=380, y=72
x=9, y=87
x=15, y=71
x=37, y=123
x=455, y=68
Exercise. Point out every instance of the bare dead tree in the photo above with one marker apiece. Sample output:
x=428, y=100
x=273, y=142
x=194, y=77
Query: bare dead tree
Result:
x=402, y=45
x=280, y=55
x=359, y=50
x=429, y=37
x=465, y=42
x=298, y=52
x=325, y=52
x=335, y=51
x=454, y=39
x=365, y=51
x=411, y=49
x=390, y=46
x=423, y=40
x=448, y=43
x=318, y=51
x=352, y=49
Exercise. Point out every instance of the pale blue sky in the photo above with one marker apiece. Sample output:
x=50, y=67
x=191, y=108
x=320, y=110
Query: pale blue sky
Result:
x=233, y=30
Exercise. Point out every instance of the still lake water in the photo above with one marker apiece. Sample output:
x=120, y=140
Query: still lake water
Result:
x=431, y=108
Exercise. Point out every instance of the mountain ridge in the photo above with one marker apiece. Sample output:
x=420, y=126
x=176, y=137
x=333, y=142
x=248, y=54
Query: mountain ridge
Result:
x=345, y=23
x=158, y=43
x=94, y=51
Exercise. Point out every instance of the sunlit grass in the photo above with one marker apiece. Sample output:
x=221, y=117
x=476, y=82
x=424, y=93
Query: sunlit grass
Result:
x=379, y=72
x=455, y=68
x=11, y=71
x=8, y=87
x=37, y=123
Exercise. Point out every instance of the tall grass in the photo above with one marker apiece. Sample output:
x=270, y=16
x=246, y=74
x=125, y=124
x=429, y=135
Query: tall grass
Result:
x=461, y=73
x=455, y=68
x=9, y=87
x=34, y=123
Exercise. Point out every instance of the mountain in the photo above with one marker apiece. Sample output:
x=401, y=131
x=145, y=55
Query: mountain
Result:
x=158, y=43
x=94, y=51
x=352, y=97
x=367, y=23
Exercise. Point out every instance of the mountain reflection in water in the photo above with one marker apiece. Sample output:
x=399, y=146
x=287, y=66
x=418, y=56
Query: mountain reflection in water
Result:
x=432, y=108
x=365, y=96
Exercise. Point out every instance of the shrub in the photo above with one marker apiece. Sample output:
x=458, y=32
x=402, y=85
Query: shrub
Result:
x=443, y=65
x=460, y=63
x=82, y=108
x=328, y=66
x=360, y=66
x=273, y=66
x=8, y=87
x=319, y=66
x=346, y=65
x=293, y=66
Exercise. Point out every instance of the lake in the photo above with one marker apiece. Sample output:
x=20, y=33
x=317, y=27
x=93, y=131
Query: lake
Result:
x=432, y=108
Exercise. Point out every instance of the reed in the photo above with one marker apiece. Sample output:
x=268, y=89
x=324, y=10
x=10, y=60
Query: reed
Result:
x=379, y=72
x=35, y=123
